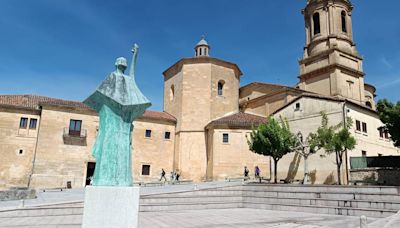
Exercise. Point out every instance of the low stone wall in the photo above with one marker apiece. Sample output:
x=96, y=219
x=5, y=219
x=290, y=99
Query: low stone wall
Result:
x=17, y=194
x=376, y=176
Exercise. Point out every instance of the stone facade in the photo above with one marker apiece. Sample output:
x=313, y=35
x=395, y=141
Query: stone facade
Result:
x=202, y=130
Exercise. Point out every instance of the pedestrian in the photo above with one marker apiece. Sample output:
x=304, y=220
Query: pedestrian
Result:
x=257, y=172
x=173, y=177
x=163, y=175
x=178, y=174
x=246, y=172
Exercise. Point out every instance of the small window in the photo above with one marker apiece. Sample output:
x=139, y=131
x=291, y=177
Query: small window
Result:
x=148, y=134
x=368, y=104
x=364, y=127
x=21, y=152
x=297, y=108
x=172, y=93
x=221, y=88
x=317, y=28
x=225, y=138
x=358, y=125
x=23, y=123
x=32, y=124
x=381, y=132
x=75, y=127
x=344, y=26
x=167, y=135
x=364, y=153
x=386, y=133
x=145, y=170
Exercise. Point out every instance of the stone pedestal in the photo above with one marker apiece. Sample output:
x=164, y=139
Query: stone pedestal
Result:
x=107, y=207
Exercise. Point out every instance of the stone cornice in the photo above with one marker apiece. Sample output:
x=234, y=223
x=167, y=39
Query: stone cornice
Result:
x=326, y=53
x=174, y=69
x=330, y=68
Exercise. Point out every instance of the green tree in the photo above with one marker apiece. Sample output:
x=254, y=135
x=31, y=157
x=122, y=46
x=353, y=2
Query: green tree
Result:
x=334, y=139
x=389, y=114
x=272, y=139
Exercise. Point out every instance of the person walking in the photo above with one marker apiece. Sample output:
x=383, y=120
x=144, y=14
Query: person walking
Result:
x=257, y=172
x=246, y=172
x=163, y=175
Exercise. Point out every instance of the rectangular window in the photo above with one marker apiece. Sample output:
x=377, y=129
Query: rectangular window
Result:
x=148, y=134
x=167, y=135
x=145, y=170
x=225, y=138
x=364, y=153
x=32, y=124
x=364, y=127
x=386, y=133
x=297, y=107
x=23, y=123
x=358, y=125
x=75, y=127
x=381, y=133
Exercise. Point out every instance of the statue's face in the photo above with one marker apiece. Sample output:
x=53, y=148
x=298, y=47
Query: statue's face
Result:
x=121, y=68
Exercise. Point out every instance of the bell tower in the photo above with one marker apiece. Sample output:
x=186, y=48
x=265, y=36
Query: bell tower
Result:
x=331, y=64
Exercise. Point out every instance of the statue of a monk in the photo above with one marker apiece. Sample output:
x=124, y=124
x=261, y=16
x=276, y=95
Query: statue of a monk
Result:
x=119, y=102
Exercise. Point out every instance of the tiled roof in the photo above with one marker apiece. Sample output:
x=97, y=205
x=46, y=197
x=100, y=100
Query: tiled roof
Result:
x=240, y=119
x=34, y=102
x=158, y=115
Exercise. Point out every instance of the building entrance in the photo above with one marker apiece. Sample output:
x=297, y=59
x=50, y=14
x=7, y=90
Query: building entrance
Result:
x=90, y=172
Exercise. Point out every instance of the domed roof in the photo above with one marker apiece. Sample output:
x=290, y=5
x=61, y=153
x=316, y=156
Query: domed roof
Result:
x=202, y=42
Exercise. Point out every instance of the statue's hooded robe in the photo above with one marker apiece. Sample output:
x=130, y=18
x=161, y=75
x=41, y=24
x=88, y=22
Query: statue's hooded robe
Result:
x=118, y=101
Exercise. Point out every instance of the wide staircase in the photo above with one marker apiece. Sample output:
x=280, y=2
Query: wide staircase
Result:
x=339, y=200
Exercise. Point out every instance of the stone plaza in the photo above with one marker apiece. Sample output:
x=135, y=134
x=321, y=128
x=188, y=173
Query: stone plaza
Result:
x=222, y=204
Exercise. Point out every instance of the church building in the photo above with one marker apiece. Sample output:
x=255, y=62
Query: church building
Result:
x=201, y=133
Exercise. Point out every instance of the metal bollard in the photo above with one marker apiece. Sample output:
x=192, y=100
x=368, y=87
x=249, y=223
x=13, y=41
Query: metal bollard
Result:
x=363, y=222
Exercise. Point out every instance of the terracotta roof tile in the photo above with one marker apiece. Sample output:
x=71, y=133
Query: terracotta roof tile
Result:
x=240, y=119
x=158, y=115
x=34, y=102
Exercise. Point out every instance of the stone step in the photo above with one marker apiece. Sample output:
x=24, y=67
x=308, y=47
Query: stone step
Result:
x=189, y=206
x=191, y=199
x=221, y=192
x=395, y=190
x=322, y=195
x=41, y=211
x=322, y=209
x=373, y=205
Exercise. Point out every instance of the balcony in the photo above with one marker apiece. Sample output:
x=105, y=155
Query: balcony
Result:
x=75, y=138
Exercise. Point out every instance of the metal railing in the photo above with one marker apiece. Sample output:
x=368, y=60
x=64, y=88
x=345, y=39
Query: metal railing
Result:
x=72, y=133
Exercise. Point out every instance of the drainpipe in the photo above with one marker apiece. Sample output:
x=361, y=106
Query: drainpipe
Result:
x=36, y=146
x=345, y=153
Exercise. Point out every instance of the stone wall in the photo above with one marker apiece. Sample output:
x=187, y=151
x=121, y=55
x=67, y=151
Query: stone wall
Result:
x=376, y=176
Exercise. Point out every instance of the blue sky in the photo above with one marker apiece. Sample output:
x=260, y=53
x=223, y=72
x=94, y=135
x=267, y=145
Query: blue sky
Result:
x=65, y=48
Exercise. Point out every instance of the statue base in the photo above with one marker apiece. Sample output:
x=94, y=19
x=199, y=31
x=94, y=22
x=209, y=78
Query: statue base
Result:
x=107, y=207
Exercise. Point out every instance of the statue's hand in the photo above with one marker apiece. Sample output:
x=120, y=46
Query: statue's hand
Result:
x=135, y=48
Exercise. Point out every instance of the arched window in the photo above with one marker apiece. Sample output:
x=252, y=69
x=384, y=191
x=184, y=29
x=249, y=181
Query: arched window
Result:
x=317, y=27
x=221, y=88
x=368, y=104
x=344, y=26
x=172, y=93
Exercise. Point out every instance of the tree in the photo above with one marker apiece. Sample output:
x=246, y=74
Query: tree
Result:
x=306, y=148
x=335, y=139
x=389, y=114
x=272, y=139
